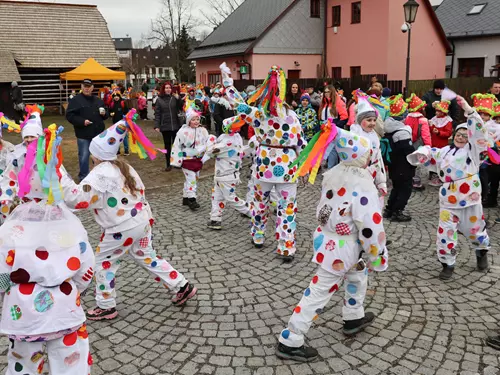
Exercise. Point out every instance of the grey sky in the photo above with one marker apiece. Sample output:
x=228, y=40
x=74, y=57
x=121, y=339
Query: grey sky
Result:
x=124, y=17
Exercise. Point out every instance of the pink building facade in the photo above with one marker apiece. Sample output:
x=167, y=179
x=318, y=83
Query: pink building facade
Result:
x=369, y=40
x=359, y=37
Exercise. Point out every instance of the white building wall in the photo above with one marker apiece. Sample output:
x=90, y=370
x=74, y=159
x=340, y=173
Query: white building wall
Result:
x=487, y=47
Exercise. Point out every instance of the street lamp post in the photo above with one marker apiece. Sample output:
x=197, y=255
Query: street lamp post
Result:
x=410, y=9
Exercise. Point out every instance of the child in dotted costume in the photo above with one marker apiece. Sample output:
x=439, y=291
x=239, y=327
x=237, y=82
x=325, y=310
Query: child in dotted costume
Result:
x=45, y=252
x=460, y=195
x=188, y=150
x=350, y=223
x=115, y=193
x=228, y=152
x=31, y=129
x=279, y=134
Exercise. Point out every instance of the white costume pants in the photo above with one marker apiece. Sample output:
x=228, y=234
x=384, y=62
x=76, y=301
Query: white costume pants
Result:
x=137, y=244
x=251, y=193
x=321, y=289
x=224, y=193
x=191, y=183
x=68, y=355
x=285, y=219
x=469, y=221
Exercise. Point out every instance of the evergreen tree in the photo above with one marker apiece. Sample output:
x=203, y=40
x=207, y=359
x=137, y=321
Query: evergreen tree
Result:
x=184, y=48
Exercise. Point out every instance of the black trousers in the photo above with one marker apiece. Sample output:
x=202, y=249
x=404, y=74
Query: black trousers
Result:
x=494, y=178
x=168, y=140
x=483, y=177
x=400, y=194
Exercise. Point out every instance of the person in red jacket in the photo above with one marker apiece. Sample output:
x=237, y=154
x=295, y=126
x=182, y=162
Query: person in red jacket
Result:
x=421, y=134
x=441, y=127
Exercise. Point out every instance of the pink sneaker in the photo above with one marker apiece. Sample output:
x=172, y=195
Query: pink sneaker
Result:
x=187, y=292
x=100, y=314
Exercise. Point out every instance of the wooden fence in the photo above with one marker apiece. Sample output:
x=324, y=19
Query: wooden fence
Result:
x=463, y=86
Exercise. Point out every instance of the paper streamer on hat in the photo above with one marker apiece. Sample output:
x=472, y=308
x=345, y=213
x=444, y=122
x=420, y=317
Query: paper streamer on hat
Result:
x=310, y=158
x=24, y=176
x=30, y=109
x=448, y=94
x=493, y=156
x=139, y=143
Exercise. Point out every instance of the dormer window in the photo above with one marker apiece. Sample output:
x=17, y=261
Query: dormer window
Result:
x=477, y=9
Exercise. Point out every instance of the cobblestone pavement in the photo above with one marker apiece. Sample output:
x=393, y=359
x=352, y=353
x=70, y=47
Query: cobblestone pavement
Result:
x=423, y=325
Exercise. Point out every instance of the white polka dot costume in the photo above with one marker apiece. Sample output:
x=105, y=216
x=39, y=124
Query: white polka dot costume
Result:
x=125, y=218
x=45, y=252
x=227, y=150
x=190, y=143
x=460, y=195
x=280, y=140
x=350, y=224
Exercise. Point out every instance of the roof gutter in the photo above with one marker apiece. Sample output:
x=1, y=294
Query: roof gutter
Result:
x=452, y=58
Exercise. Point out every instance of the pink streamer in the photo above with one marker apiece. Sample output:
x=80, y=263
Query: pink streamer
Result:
x=141, y=138
x=24, y=176
x=493, y=155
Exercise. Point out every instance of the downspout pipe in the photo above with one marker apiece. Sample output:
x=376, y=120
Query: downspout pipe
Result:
x=452, y=58
x=325, y=68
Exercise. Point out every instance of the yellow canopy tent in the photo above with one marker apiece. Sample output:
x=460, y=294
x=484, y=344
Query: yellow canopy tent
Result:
x=90, y=69
x=93, y=70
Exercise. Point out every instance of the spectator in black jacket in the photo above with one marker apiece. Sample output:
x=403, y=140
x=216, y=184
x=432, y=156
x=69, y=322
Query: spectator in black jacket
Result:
x=167, y=121
x=86, y=113
x=17, y=101
x=434, y=95
x=222, y=111
x=118, y=110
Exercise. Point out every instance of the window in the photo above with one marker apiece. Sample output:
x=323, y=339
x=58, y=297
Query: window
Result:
x=355, y=71
x=213, y=78
x=336, y=15
x=356, y=12
x=476, y=9
x=337, y=72
x=315, y=8
x=471, y=67
x=293, y=74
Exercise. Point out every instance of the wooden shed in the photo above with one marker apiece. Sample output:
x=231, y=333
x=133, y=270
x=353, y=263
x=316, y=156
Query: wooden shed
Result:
x=39, y=41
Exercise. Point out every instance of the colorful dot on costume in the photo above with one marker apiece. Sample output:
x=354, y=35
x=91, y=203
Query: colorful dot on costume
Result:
x=351, y=301
x=82, y=205
x=112, y=202
x=133, y=212
x=73, y=264
x=367, y=232
x=70, y=340
x=10, y=257
x=334, y=288
x=129, y=241
x=318, y=241
x=83, y=247
x=106, y=265
x=41, y=253
x=20, y=276
x=173, y=275
x=307, y=292
x=473, y=219
x=351, y=289
x=26, y=289
x=341, y=192
x=315, y=279
x=285, y=334
x=320, y=257
x=338, y=265
x=66, y=288
x=363, y=201
x=43, y=301
x=377, y=218
x=297, y=310
x=18, y=367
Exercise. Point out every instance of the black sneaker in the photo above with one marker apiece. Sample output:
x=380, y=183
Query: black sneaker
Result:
x=193, y=204
x=387, y=213
x=447, y=272
x=185, y=201
x=388, y=242
x=351, y=327
x=258, y=245
x=493, y=342
x=490, y=204
x=302, y=354
x=217, y=225
x=399, y=216
x=187, y=292
x=288, y=258
x=100, y=314
x=482, y=259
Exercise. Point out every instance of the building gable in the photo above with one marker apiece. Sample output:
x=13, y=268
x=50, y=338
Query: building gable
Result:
x=295, y=32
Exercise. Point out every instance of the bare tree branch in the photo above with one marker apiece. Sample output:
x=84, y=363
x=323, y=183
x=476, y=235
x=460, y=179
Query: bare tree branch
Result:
x=219, y=11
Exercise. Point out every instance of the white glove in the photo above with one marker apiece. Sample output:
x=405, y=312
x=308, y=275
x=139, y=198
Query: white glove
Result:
x=463, y=103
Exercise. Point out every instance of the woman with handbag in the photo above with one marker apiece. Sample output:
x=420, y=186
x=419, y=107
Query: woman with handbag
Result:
x=189, y=148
